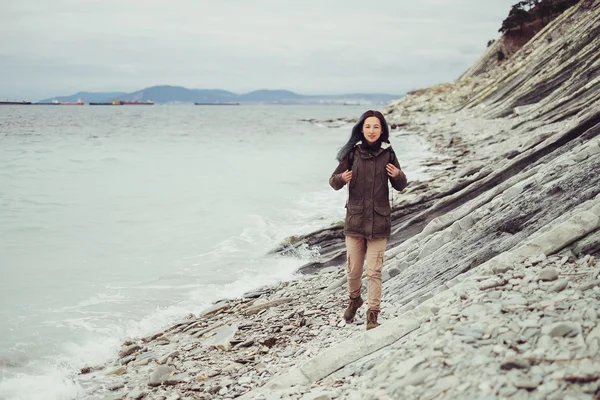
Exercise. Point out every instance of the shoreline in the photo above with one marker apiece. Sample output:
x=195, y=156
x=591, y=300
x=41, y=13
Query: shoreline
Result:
x=491, y=285
x=242, y=347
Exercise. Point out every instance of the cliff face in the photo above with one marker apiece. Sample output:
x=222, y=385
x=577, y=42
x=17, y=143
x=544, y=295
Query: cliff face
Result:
x=557, y=73
x=509, y=43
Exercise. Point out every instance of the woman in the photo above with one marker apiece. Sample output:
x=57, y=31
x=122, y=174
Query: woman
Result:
x=366, y=163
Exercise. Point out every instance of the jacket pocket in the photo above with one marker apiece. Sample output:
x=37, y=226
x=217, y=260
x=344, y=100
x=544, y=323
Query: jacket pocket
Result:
x=382, y=220
x=355, y=208
x=354, y=218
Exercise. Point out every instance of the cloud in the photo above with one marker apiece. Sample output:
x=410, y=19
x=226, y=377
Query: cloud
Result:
x=51, y=47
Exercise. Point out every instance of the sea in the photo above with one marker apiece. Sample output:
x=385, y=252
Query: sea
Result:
x=116, y=221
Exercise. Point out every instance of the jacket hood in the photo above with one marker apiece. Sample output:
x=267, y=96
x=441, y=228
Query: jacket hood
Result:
x=384, y=145
x=367, y=152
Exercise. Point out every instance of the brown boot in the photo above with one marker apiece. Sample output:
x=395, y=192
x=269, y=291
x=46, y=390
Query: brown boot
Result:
x=372, y=319
x=353, y=306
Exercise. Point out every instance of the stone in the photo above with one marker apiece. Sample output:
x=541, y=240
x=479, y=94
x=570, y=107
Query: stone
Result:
x=164, y=360
x=139, y=363
x=221, y=337
x=129, y=350
x=416, y=378
x=561, y=329
x=176, y=379
x=116, y=386
x=558, y=286
x=594, y=334
x=117, y=371
x=590, y=285
x=547, y=274
x=152, y=336
x=136, y=394
x=514, y=364
x=215, y=309
x=212, y=373
x=160, y=375
x=274, y=303
x=526, y=384
x=127, y=360
x=474, y=310
x=317, y=395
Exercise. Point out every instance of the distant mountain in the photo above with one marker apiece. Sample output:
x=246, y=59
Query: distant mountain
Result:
x=179, y=94
x=269, y=96
x=169, y=94
x=86, y=96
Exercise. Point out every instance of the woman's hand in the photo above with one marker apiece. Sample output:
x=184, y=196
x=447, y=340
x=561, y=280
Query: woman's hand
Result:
x=392, y=170
x=347, y=176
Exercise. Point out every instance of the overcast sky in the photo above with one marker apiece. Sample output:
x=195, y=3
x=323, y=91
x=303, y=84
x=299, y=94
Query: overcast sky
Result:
x=58, y=47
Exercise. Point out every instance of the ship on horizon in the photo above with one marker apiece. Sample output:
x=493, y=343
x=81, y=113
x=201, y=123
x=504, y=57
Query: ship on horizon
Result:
x=123, y=103
x=79, y=102
x=15, y=103
x=52, y=103
x=217, y=104
x=107, y=103
x=137, y=103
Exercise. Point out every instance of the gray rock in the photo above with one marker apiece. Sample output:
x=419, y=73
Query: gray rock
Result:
x=561, y=329
x=514, y=299
x=127, y=360
x=116, y=386
x=164, y=359
x=474, y=310
x=416, y=378
x=590, y=285
x=177, y=379
x=514, y=364
x=404, y=367
x=129, y=350
x=160, y=375
x=274, y=303
x=118, y=371
x=471, y=331
x=152, y=336
x=547, y=274
x=594, y=334
x=558, y=286
x=591, y=315
x=526, y=384
x=215, y=309
x=136, y=394
x=318, y=395
x=220, y=337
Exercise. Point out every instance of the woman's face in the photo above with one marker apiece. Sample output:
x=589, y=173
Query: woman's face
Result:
x=372, y=129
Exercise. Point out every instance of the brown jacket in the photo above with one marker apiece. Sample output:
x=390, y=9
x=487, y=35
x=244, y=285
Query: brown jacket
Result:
x=368, y=206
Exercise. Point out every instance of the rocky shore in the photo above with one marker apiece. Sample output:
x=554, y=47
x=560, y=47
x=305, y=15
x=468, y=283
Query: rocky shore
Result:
x=491, y=280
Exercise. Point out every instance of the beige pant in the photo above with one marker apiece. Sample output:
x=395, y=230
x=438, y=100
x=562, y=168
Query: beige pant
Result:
x=358, y=249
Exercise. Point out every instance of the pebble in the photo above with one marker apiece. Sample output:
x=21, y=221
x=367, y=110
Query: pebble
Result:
x=547, y=274
x=116, y=386
x=558, y=286
x=160, y=375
